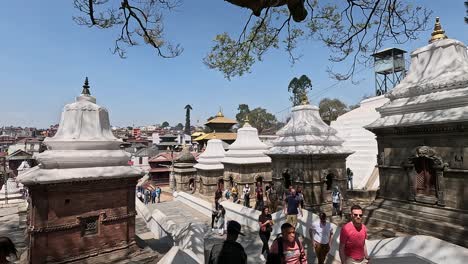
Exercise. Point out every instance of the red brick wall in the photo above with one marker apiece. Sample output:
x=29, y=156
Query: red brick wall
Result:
x=60, y=204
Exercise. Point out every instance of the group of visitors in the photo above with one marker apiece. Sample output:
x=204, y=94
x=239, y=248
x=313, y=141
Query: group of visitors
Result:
x=149, y=196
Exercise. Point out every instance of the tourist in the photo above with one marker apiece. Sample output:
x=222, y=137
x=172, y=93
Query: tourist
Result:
x=300, y=196
x=139, y=196
x=7, y=249
x=230, y=251
x=350, y=174
x=147, y=197
x=353, y=239
x=153, y=196
x=336, y=201
x=158, y=194
x=259, y=204
x=321, y=233
x=234, y=194
x=287, y=193
x=292, y=207
x=214, y=213
x=218, y=193
x=287, y=242
x=246, y=193
x=227, y=194
x=266, y=222
x=273, y=197
x=220, y=219
x=267, y=195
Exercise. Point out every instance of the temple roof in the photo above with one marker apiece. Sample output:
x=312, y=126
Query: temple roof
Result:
x=222, y=136
x=186, y=156
x=220, y=119
x=211, y=158
x=436, y=88
x=83, y=148
x=247, y=149
x=306, y=133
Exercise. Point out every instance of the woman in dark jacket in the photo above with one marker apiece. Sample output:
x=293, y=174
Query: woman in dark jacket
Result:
x=266, y=223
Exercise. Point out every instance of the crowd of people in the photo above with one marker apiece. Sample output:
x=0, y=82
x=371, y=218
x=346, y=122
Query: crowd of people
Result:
x=147, y=196
x=286, y=247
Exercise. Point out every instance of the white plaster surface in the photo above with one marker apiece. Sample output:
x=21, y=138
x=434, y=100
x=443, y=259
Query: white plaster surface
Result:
x=196, y=203
x=10, y=186
x=434, y=91
x=178, y=256
x=83, y=148
x=306, y=133
x=211, y=158
x=350, y=127
x=247, y=149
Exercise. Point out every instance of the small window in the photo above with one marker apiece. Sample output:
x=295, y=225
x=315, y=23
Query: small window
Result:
x=89, y=226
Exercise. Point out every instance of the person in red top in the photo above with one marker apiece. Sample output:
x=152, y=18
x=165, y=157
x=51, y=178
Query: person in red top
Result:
x=353, y=239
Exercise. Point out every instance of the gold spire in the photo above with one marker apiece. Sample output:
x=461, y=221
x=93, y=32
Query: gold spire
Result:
x=438, y=32
x=220, y=112
x=304, y=99
x=246, y=121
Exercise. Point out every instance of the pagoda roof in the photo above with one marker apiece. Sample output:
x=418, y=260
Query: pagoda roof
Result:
x=213, y=135
x=220, y=119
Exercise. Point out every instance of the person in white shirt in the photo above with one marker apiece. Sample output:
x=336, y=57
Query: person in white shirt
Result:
x=246, y=192
x=321, y=233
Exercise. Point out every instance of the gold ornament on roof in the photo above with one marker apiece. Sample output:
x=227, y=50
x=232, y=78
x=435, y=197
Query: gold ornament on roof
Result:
x=246, y=121
x=304, y=99
x=438, y=32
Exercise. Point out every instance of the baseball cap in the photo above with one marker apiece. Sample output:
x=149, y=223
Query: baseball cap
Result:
x=233, y=227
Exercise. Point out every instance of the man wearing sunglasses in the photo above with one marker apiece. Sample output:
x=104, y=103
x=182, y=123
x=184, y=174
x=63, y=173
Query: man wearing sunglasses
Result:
x=353, y=239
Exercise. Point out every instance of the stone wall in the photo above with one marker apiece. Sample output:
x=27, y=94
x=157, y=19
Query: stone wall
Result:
x=242, y=174
x=58, y=234
x=183, y=175
x=208, y=181
x=309, y=172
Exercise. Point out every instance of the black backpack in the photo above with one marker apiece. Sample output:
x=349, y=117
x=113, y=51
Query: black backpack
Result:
x=277, y=258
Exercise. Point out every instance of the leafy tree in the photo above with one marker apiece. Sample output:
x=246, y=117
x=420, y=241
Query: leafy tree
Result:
x=349, y=28
x=165, y=124
x=263, y=121
x=179, y=126
x=331, y=109
x=299, y=88
x=243, y=112
x=187, y=119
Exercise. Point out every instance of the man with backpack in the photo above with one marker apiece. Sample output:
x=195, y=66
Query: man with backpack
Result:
x=287, y=249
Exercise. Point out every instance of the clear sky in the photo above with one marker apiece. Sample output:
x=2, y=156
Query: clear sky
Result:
x=44, y=57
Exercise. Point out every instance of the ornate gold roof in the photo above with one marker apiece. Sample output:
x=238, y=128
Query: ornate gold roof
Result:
x=438, y=32
x=222, y=136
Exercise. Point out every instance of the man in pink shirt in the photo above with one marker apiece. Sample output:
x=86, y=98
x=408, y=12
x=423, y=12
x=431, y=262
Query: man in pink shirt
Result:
x=287, y=249
x=353, y=239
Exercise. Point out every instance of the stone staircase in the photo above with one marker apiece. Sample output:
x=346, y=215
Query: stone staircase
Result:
x=418, y=220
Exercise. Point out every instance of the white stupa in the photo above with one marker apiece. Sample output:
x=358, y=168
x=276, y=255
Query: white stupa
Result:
x=83, y=148
x=211, y=158
x=10, y=192
x=247, y=149
x=306, y=133
x=350, y=127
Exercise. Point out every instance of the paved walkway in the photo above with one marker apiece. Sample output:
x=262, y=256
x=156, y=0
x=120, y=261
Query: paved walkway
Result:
x=180, y=213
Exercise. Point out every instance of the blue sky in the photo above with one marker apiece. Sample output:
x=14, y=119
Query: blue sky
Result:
x=44, y=57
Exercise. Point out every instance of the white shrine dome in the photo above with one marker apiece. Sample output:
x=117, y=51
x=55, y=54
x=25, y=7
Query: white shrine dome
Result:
x=435, y=90
x=211, y=158
x=83, y=148
x=306, y=133
x=247, y=149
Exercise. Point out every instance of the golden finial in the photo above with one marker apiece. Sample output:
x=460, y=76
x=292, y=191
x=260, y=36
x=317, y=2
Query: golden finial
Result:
x=304, y=99
x=438, y=32
x=246, y=121
x=220, y=112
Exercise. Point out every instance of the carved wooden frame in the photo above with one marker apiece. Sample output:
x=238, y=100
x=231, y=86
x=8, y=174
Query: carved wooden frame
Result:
x=439, y=167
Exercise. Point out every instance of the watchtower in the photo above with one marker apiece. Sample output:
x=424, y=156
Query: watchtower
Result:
x=389, y=66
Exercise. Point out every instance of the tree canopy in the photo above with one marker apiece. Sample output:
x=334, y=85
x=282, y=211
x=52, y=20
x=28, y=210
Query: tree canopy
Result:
x=299, y=88
x=179, y=126
x=351, y=29
x=331, y=109
x=243, y=112
x=165, y=124
x=187, y=108
x=259, y=118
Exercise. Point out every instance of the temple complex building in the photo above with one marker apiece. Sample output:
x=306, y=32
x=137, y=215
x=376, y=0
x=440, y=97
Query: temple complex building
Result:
x=220, y=127
x=309, y=154
x=245, y=161
x=185, y=173
x=210, y=170
x=422, y=142
x=82, y=192
x=350, y=127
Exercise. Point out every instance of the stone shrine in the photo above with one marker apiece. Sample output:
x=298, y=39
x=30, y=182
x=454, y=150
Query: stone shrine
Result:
x=10, y=193
x=185, y=173
x=308, y=154
x=350, y=127
x=422, y=142
x=82, y=192
x=245, y=161
x=210, y=170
